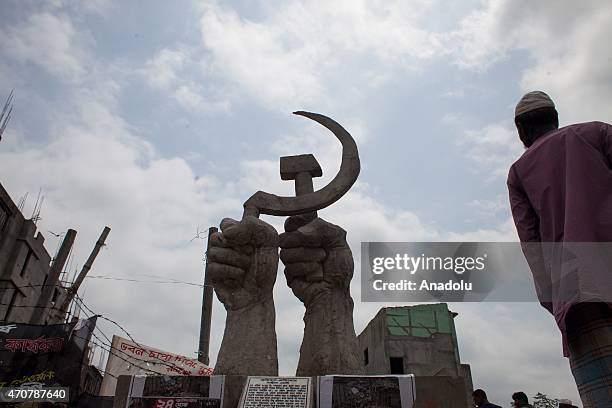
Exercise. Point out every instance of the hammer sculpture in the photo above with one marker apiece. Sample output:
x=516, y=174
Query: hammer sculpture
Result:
x=302, y=168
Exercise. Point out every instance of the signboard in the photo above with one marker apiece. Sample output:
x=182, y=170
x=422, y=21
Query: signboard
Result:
x=161, y=391
x=347, y=391
x=174, y=402
x=44, y=355
x=277, y=392
x=129, y=358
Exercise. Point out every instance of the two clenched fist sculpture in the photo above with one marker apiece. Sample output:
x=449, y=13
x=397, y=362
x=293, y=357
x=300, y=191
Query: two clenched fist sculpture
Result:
x=243, y=263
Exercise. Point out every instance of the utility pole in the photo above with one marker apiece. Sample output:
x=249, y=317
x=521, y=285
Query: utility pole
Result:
x=77, y=282
x=207, y=302
x=41, y=310
x=5, y=116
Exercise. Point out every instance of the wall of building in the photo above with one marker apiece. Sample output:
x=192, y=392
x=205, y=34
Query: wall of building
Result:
x=433, y=356
x=91, y=380
x=24, y=264
x=465, y=371
x=420, y=339
x=372, y=342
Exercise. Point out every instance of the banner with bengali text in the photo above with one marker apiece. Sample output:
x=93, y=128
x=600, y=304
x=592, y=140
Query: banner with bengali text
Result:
x=44, y=355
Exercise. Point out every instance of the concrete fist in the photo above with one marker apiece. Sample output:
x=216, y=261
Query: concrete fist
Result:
x=243, y=260
x=317, y=258
x=319, y=267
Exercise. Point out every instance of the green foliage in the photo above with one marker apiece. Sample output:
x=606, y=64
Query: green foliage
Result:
x=542, y=401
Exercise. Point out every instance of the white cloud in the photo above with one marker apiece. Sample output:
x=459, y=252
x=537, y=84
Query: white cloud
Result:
x=191, y=100
x=500, y=346
x=255, y=56
x=367, y=219
x=502, y=232
x=491, y=207
x=285, y=58
x=576, y=73
x=481, y=39
x=163, y=68
x=99, y=7
x=493, y=148
x=167, y=71
x=46, y=40
x=564, y=42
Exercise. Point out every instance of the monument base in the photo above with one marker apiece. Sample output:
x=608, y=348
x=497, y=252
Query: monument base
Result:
x=389, y=391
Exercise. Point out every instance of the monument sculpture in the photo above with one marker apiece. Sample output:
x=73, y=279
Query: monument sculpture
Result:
x=243, y=262
x=243, y=266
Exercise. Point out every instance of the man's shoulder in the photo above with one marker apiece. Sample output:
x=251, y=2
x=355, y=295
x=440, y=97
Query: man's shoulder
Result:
x=512, y=176
x=592, y=133
x=559, y=137
x=594, y=123
x=594, y=126
x=587, y=130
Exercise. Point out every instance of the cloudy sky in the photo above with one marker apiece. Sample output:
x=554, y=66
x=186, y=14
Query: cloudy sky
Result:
x=161, y=119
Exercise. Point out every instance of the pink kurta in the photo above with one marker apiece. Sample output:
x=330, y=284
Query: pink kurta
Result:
x=561, y=191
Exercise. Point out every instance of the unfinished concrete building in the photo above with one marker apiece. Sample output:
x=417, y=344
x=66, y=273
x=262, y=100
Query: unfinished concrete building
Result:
x=419, y=340
x=30, y=287
x=28, y=283
x=30, y=291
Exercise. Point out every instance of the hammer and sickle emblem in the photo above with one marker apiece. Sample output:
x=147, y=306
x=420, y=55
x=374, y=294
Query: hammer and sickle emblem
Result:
x=302, y=169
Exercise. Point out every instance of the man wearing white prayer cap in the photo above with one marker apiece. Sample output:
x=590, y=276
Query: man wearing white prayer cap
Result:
x=561, y=198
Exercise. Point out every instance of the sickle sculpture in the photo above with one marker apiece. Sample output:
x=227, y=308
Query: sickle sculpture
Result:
x=302, y=169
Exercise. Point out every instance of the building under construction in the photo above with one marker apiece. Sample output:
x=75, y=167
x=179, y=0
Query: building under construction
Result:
x=31, y=290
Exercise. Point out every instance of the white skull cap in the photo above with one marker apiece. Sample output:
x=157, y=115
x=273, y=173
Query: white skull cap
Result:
x=532, y=101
